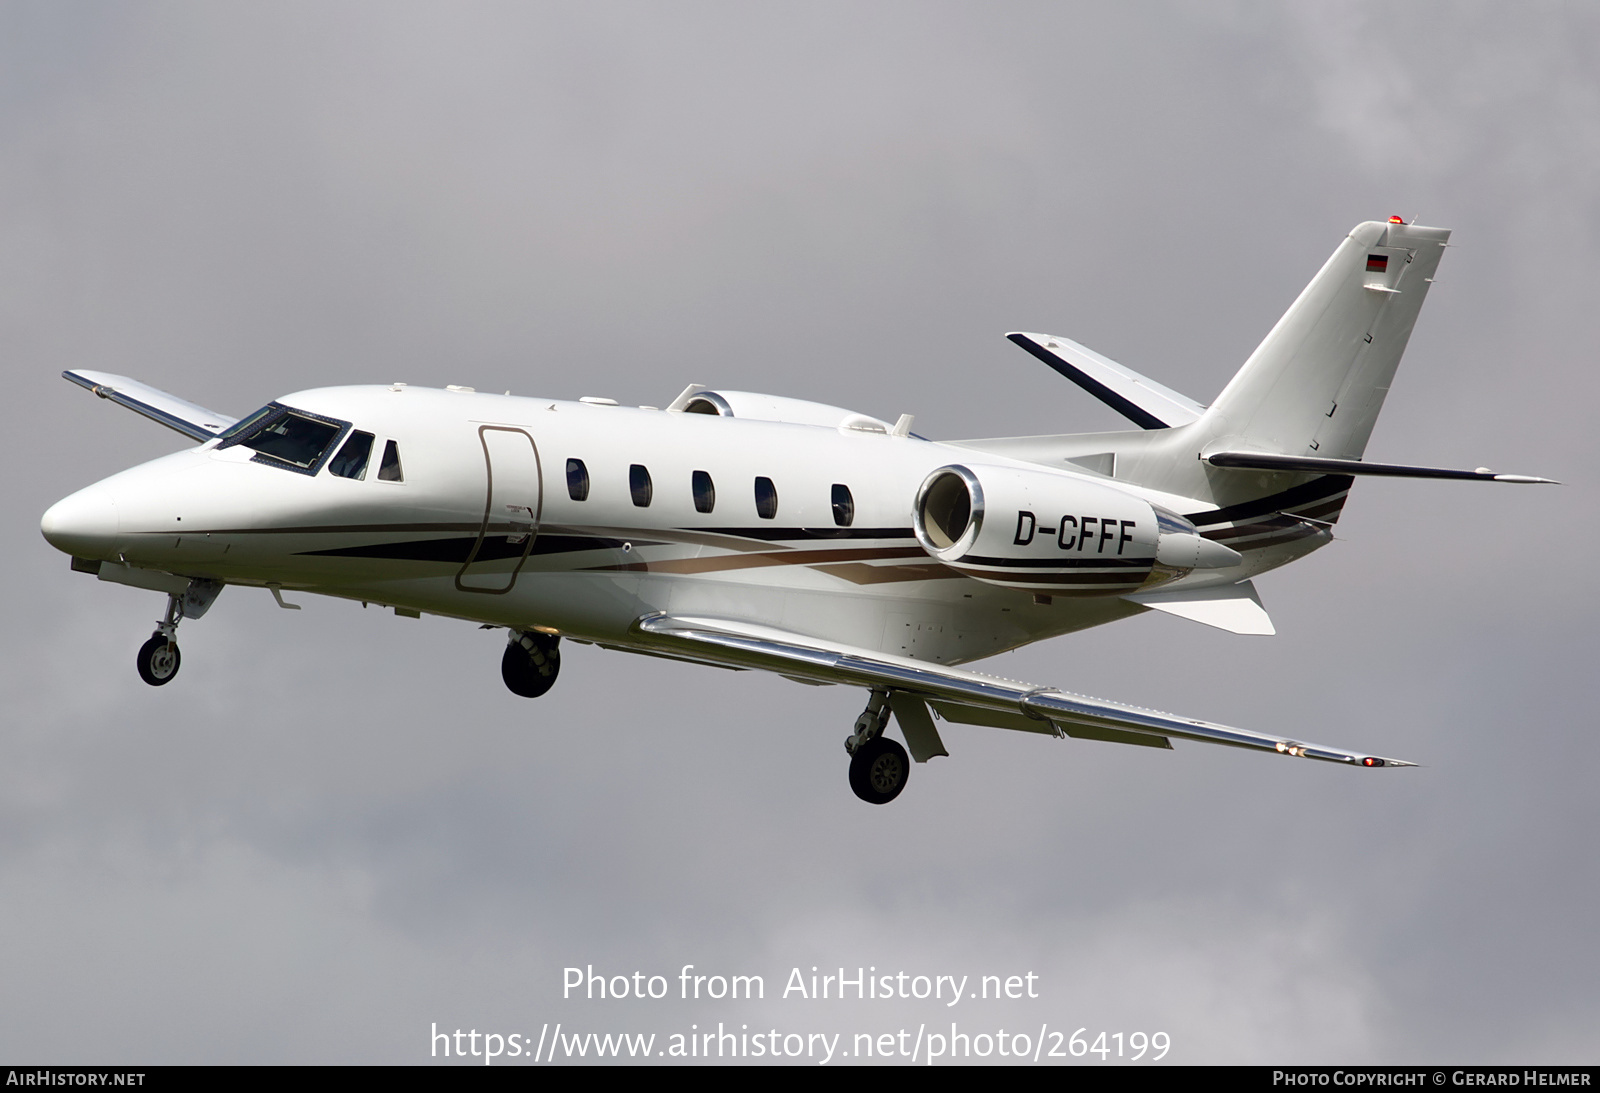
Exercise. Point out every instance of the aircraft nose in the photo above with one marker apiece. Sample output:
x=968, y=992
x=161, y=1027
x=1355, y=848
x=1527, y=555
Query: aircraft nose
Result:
x=84, y=525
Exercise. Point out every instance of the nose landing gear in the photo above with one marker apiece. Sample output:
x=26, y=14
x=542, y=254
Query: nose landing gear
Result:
x=879, y=766
x=530, y=663
x=158, y=658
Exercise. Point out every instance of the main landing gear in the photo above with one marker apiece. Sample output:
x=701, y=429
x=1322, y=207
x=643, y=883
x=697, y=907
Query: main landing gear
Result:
x=531, y=662
x=879, y=766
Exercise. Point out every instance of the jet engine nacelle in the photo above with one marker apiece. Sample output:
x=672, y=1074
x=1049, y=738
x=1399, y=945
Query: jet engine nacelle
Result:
x=1055, y=534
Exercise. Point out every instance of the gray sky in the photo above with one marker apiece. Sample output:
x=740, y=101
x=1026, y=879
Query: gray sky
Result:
x=336, y=827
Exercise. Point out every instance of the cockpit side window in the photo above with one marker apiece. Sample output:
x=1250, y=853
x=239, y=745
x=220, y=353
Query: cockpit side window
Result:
x=351, y=462
x=389, y=470
x=282, y=436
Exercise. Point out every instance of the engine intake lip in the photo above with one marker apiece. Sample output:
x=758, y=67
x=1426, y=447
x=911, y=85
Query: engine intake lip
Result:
x=948, y=513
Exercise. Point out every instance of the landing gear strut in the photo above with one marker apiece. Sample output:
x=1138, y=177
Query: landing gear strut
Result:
x=531, y=663
x=158, y=658
x=879, y=766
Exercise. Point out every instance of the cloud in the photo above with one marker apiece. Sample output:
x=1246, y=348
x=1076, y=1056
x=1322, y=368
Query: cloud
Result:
x=336, y=827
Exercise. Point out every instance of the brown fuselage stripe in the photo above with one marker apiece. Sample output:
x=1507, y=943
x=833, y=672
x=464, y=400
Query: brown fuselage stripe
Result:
x=722, y=562
x=860, y=573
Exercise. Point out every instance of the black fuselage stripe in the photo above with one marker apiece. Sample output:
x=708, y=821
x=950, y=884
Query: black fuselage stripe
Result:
x=457, y=550
x=1090, y=562
x=1269, y=538
x=1312, y=491
x=1057, y=578
x=1240, y=530
x=343, y=529
x=1326, y=508
x=778, y=534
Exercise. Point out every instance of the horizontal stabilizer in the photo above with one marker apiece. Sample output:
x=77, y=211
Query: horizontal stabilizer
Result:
x=735, y=643
x=1234, y=607
x=1142, y=401
x=175, y=413
x=1266, y=461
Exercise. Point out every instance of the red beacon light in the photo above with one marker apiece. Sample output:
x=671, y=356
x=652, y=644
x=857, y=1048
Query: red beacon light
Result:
x=1369, y=761
x=1397, y=220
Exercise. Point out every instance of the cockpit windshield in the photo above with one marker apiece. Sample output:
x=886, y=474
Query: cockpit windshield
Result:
x=285, y=437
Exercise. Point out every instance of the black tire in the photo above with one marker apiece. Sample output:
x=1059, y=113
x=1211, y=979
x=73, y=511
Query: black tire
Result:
x=531, y=673
x=879, y=770
x=158, y=660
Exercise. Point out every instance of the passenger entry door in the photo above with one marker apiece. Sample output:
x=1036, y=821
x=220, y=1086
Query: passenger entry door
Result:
x=512, y=504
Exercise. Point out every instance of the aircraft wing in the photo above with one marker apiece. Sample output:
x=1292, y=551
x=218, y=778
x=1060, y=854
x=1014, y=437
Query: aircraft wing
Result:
x=175, y=413
x=957, y=693
x=1140, y=399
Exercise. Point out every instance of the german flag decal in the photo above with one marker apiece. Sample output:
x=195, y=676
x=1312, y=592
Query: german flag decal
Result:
x=1377, y=263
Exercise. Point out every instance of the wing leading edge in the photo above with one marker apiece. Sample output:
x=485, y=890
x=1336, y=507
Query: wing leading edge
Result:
x=957, y=693
x=1140, y=399
x=175, y=413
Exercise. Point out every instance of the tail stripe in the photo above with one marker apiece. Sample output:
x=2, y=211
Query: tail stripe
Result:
x=1318, y=489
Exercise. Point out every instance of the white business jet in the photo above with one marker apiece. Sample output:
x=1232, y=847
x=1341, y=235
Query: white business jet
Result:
x=752, y=531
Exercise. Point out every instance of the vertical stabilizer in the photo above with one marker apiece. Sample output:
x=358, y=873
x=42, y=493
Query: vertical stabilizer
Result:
x=1315, y=385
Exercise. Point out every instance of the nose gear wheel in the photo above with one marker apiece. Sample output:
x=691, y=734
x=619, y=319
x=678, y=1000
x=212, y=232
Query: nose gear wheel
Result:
x=158, y=659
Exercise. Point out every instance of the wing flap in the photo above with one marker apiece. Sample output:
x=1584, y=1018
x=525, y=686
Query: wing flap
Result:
x=746, y=645
x=992, y=719
x=1016, y=722
x=175, y=413
x=1114, y=736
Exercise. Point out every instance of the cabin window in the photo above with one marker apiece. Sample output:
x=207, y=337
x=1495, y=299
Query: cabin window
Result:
x=705, y=492
x=389, y=470
x=351, y=462
x=639, y=485
x=577, y=480
x=766, y=499
x=844, y=506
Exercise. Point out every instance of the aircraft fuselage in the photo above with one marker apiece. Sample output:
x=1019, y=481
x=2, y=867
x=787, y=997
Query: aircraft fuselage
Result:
x=581, y=518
